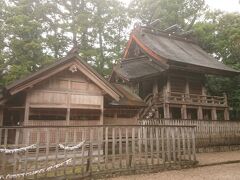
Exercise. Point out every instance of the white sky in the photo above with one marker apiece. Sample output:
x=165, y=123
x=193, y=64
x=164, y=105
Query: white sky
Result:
x=224, y=5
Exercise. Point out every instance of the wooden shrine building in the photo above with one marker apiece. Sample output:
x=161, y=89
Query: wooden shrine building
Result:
x=168, y=72
x=68, y=92
x=161, y=76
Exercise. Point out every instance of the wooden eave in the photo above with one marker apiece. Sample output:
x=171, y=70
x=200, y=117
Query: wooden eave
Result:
x=150, y=53
x=65, y=63
x=172, y=64
x=200, y=69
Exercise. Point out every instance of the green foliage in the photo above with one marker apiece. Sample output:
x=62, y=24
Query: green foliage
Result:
x=35, y=32
x=23, y=52
x=219, y=34
x=169, y=12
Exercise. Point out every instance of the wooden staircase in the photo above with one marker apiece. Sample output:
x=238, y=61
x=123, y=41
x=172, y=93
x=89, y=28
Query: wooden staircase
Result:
x=149, y=111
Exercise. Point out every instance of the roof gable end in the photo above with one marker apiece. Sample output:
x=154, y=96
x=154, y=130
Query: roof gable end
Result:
x=62, y=64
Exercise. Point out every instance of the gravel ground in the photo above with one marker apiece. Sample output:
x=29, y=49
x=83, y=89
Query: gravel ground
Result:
x=217, y=157
x=219, y=172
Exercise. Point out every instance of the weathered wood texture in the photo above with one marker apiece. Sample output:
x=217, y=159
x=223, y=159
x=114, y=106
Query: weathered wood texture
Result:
x=208, y=133
x=107, y=150
x=66, y=90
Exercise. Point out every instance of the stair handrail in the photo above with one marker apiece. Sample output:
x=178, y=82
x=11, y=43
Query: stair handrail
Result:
x=148, y=100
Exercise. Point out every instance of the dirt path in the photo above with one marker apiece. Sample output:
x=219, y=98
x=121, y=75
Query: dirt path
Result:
x=217, y=157
x=219, y=172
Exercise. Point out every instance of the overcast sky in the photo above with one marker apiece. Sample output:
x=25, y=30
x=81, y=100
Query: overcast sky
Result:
x=224, y=5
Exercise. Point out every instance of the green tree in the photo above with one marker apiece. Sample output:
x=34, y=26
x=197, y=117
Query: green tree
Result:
x=109, y=26
x=3, y=65
x=169, y=12
x=34, y=32
x=24, y=40
x=219, y=35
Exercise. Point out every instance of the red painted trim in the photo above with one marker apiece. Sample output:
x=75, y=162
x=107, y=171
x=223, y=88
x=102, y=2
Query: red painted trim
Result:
x=128, y=46
x=146, y=49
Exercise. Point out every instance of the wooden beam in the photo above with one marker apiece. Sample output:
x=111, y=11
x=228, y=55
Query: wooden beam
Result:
x=1, y=116
x=155, y=87
x=26, y=112
x=102, y=112
x=187, y=86
x=168, y=85
x=68, y=103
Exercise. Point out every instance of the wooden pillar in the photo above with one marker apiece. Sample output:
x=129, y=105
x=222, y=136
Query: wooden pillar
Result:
x=155, y=93
x=26, y=132
x=214, y=113
x=166, y=108
x=157, y=113
x=1, y=116
x=200, y=113
x=187, y=91
x=68, y=104
x=226, y=114
x=168, y=85
x=102, y=112
x=68, y=116
x=115, y=116
x=225, y=99
x=184, y=112
x=155, y=87
x=26, y=112
x=166, y=111
x=204, y=91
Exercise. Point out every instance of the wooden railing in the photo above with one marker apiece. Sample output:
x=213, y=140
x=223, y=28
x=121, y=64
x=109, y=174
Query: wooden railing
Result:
x=183, y=98
x=149, y=102
x=107, y=150
x=208, y=133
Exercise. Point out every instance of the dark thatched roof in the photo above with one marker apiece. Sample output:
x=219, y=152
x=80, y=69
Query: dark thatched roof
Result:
x=137, y=68
x=177, y=50
x=129, y=99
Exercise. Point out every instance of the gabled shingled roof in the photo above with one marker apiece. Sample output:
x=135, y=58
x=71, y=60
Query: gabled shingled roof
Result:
x=138, y=68
x=120, y=95
x=129, y=99
x=41, y=75
x=173, y=49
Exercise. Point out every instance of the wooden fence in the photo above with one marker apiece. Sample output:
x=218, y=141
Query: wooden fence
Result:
x=208, y=133
x=107, y=150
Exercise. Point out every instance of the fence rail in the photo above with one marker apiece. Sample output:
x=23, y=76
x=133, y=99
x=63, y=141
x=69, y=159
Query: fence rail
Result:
x=106, y=149
x=208, y=133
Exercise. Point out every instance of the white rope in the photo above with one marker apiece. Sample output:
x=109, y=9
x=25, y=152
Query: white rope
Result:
x=23, y=149
x=70, y=148
x=50, y=168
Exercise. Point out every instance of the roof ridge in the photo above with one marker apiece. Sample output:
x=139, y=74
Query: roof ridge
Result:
x=158, y=32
